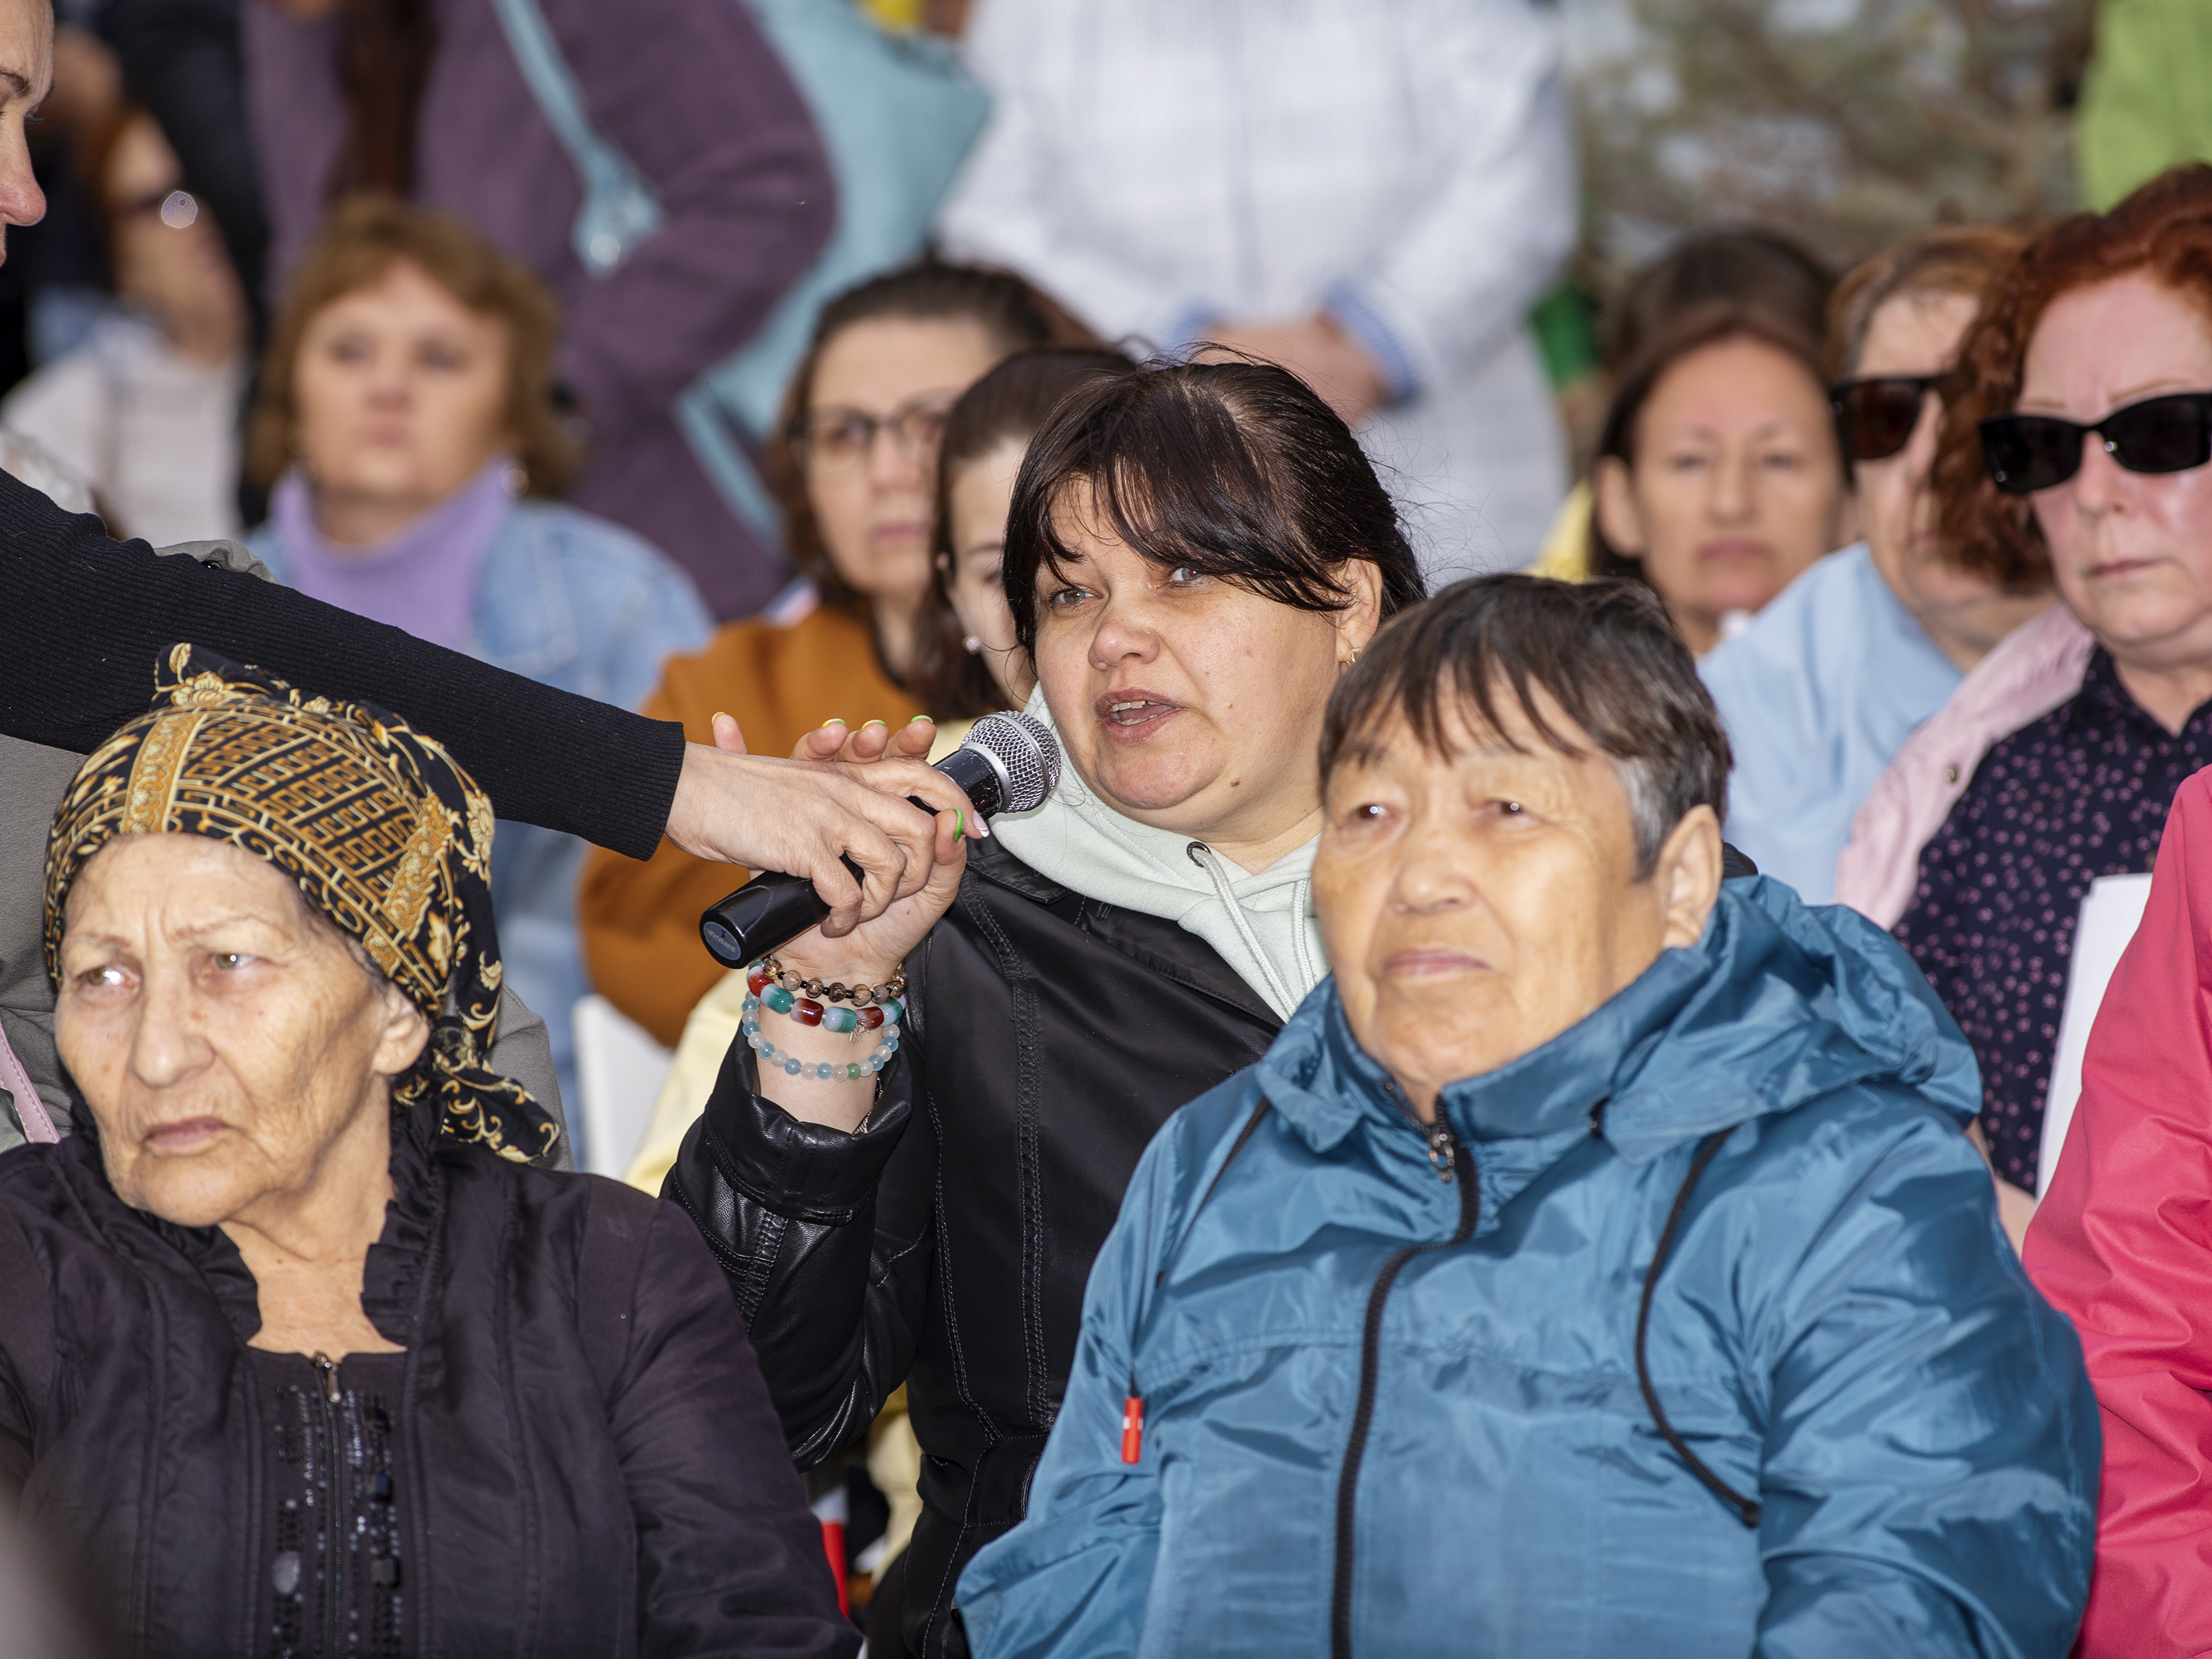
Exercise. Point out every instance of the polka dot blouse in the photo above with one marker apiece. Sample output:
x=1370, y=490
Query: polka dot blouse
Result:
x=2081, y=794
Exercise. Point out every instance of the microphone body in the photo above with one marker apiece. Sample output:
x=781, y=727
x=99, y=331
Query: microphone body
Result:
x=1009, y=763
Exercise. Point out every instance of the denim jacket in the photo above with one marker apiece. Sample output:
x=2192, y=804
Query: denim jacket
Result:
x=574, y=602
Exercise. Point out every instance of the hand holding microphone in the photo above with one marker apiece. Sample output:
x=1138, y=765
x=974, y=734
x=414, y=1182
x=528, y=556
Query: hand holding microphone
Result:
x=1009, y=763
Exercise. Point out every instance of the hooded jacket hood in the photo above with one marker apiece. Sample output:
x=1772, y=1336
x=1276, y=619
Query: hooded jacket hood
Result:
x=1777, y=1004
x=1260, y=924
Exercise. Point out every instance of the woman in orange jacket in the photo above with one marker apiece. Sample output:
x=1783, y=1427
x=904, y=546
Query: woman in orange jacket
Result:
x=854, y=467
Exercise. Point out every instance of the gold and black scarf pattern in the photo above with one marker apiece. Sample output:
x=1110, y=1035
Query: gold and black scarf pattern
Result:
x=382, y=830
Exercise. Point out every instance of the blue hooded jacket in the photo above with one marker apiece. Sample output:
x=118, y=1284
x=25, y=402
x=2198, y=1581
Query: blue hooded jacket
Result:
x=1840, y=1331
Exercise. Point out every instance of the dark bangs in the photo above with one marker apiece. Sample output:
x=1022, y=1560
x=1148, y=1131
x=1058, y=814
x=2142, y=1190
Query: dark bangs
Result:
x=1604, y=652
x=1235, y=469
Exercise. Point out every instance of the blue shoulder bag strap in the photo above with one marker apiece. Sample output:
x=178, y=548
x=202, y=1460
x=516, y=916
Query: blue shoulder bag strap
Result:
x=897, y=116
x=619, y=209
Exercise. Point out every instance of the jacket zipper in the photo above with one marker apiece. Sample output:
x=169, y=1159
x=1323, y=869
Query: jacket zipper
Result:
x=1454, y=1162
x=333, y=1537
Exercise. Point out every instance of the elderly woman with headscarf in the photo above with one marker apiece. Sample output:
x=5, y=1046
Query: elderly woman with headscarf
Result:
x=298, y=1350
x=1594, y=1264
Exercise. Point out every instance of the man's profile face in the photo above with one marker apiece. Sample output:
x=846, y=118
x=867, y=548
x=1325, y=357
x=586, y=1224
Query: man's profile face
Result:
x=26, y=75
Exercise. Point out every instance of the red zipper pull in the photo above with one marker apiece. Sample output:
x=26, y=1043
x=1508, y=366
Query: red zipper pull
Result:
x=1132, y=1428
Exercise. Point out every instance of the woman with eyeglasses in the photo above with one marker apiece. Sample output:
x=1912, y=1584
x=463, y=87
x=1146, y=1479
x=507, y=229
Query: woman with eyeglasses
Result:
x=1834, y=674
x=854, y=470
x=2076, y=441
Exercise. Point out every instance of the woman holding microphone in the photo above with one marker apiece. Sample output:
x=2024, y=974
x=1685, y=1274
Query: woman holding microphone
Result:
x=1193, y=555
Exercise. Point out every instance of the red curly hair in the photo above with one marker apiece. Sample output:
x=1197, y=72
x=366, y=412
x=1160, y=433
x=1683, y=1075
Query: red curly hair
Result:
x=2163, y=230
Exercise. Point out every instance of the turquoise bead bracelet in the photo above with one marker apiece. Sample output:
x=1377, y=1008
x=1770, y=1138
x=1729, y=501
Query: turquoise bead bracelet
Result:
x=826, y=1071
x=807, y=1011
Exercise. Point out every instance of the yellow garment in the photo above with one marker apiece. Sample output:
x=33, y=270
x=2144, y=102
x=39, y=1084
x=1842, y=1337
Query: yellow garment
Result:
x=1565, y=554
x=895, y=1465
x=707, y=1033
x=899, y=15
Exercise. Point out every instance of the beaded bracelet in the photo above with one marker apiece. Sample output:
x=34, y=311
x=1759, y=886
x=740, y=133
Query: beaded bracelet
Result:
x=823, y=1069
x=769, y=971
x=786, y=994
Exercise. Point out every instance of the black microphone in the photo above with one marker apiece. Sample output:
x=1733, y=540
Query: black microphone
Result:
x=1006, y=763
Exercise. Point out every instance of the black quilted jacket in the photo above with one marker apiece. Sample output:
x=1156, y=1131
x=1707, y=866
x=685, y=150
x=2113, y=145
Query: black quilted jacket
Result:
x=946, y=1245
x=573, y=1455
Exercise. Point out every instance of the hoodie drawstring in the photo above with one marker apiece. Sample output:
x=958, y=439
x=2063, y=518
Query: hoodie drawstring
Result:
x=1207, y=859
x=1301, y=902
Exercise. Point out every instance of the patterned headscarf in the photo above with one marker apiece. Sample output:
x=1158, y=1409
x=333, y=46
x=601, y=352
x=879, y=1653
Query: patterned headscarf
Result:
x=386, y=835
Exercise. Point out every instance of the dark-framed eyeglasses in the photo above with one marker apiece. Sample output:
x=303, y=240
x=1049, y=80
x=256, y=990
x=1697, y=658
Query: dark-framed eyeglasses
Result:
x=2029, y=452
x=834, y=439
x=1875, y=416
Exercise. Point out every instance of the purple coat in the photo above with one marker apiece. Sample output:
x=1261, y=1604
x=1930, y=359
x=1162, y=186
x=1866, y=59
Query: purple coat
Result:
x=695, y=97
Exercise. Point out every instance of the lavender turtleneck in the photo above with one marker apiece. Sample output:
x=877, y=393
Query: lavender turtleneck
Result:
x=421, y=578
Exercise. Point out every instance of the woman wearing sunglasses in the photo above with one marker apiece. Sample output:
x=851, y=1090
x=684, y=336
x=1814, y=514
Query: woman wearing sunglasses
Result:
x=2076, y=440
x=1834, y=674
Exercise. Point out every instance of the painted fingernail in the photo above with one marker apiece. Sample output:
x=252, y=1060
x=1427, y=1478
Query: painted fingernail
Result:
x=917, y=720
x=872, y=723
x=959, y=825
x=720, y=714
x=834, y=719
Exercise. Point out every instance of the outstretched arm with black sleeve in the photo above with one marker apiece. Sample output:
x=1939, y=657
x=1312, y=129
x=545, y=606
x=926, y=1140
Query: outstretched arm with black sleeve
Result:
x=87, y=619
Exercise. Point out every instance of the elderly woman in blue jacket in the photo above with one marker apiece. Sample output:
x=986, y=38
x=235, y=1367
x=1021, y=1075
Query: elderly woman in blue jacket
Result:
x=405, y=418
x=1594, y=1265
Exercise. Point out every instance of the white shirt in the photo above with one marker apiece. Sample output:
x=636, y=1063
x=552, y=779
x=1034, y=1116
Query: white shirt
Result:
x=153, y=431
x=1407, y=164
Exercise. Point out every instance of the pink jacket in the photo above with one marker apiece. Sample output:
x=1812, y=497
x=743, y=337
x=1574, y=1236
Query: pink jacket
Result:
x=2122, y=1244
x=2033, y=671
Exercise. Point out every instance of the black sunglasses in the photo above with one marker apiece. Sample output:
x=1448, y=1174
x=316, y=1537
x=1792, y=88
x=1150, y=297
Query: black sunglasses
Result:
x=1876, y=417
x=2029, y=452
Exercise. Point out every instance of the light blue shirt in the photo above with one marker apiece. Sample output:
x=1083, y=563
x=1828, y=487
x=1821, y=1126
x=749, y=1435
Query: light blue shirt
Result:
x=1817, y=695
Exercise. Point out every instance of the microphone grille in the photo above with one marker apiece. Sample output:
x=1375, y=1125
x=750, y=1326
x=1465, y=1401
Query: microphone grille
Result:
x=1026, y=746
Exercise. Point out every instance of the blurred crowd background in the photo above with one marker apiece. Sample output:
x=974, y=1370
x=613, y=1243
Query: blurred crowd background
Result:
x=625, y=343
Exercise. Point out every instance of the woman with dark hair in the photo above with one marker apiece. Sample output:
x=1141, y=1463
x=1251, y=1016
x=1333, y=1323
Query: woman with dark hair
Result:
x=968, y=660
x=1747, y=265
x=853, y=467
x=1719, y=478
x=1193, y=555
x=1691, y=1135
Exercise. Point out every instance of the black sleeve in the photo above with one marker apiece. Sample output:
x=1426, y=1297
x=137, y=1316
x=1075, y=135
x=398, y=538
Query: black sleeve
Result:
x=729, y=1560
x=26, y=1354
x=86, y=621
x=825, y=1239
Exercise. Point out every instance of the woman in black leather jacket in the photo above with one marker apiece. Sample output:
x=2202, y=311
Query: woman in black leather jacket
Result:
x=1193, y=556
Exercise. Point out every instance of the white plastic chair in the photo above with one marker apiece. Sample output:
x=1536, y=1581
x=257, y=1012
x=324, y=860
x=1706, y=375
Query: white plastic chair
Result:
x=618, y=1071
x=2112, y=910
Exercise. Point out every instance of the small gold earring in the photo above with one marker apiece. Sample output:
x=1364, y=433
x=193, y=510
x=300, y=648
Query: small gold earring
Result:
x=1355, y=653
